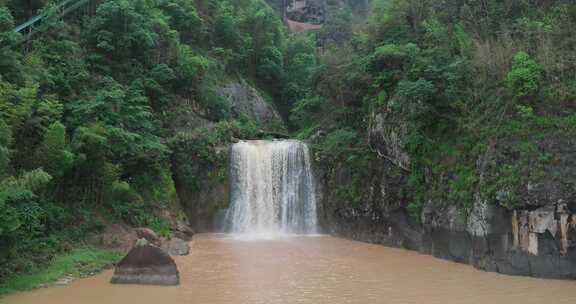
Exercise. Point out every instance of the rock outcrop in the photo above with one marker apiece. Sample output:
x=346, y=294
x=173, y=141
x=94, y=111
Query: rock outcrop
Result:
x=246, y=100
x=122, y=237
x=149, y=235
x=387, y=138
x=183, y=231
x=147, y=265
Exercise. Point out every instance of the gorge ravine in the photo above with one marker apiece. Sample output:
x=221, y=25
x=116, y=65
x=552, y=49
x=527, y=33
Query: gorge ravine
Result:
x=527, y=242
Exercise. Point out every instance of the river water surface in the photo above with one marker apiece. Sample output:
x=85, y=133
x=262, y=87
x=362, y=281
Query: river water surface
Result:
x=222, y=269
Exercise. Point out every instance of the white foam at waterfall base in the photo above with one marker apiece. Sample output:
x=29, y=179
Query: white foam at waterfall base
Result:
x=272, y=190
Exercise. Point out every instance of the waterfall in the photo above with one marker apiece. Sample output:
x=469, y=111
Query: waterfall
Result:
x=272, y=189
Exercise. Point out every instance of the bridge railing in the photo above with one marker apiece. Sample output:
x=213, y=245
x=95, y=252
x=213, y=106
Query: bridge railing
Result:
x=32, y=25
x=29, y=28
x=36, y=20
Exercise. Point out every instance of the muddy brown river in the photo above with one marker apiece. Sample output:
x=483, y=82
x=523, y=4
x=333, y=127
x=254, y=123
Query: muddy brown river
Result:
x=222, y=269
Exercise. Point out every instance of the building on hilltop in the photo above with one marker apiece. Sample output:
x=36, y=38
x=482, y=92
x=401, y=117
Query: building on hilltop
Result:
x=306, y=11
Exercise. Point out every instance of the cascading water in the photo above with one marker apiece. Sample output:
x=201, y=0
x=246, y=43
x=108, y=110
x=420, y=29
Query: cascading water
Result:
x=272, y=189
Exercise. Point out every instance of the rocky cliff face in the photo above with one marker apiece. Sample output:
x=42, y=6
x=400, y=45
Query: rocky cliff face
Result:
x=201, y=185
x=534, y=236
x=246, y=100
x=200, y=168
x=379, y=217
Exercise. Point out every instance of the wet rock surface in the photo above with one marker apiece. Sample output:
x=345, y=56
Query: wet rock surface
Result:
x=537, y=242
x=147, y=265
x=183, y=231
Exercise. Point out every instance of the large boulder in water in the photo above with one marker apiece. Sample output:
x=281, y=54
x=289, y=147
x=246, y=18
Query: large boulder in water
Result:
x=146, y=264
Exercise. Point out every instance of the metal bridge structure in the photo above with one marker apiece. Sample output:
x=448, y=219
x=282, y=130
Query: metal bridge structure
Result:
x=63, y=9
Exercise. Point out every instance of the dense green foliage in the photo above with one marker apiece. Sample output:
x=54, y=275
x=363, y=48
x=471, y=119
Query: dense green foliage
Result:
x=457, y=77
x=88, y=110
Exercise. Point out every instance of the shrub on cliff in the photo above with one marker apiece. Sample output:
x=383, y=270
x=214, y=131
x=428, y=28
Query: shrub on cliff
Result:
x=525, y=77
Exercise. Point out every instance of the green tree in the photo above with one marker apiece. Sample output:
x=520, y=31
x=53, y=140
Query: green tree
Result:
x=226, y=34
x=189, y=68
x=5, y=146
x=299, y=66
x=10, y=68
x=525, y=78
x=53, y=155
x=337, y=144
x=184, y=18
x=127, y=30
x=414, y=98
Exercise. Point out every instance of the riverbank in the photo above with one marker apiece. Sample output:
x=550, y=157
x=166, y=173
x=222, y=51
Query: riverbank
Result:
x=80, y=262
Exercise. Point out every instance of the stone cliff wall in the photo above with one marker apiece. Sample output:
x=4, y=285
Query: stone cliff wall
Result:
x=202, y=186
x=535, y=236
x=246, y=100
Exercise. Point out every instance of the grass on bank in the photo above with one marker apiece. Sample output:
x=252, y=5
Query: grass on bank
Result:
x=78, y=262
